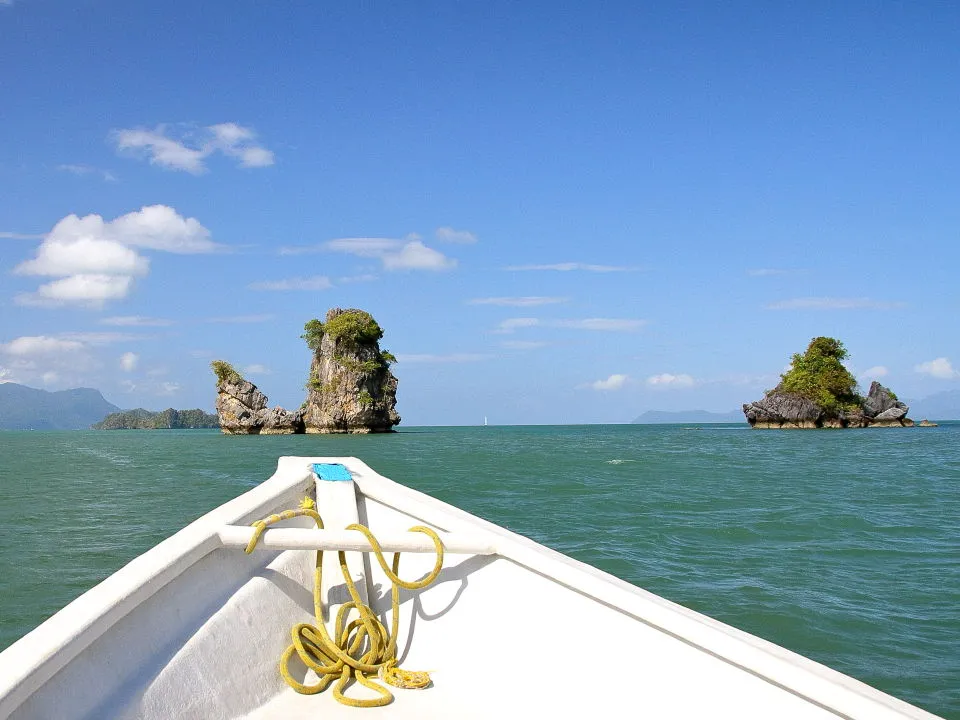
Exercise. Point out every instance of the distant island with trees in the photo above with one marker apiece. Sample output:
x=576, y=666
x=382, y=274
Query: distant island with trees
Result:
x=168, y=419
x=817, y=391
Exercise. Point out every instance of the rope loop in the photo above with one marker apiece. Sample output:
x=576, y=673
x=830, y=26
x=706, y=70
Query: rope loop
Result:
x=361, y=647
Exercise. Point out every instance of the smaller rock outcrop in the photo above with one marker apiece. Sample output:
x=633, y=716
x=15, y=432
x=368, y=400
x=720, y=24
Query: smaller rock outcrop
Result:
x=242, y=408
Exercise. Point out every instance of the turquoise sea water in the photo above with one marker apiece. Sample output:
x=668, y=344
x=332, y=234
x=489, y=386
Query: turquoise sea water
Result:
x=841, y=545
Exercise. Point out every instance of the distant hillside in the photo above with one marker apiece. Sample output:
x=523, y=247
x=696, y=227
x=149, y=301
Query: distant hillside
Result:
x=168, y=419
x=26, y=408
x=939, y=406
x=661, y=417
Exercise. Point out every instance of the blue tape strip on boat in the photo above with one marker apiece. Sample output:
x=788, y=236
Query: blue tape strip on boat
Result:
x=332, y=471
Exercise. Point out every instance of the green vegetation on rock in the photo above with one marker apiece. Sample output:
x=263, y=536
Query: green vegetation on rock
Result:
x=351, y=327
x=168, y=419
x=819, y=375
x=225, y=372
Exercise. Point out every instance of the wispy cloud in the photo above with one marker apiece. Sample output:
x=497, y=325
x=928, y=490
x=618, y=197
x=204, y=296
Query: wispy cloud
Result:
x=407, y=254
x=594, y=324
x=82, y=170
x=877, y=371
x=829, y=303
x=614, y=382
x=241, y=319
x=317, y=282
x=523, y=344
x=433, y=359
x=257, y=369
x=460, y=237
x=512, y=324
x=529, y=301
x=190, y=151
x=135, y=321
x=129, y=361
x=571, y=266
x=99, y=338
x=600, y=324
x=940, y=368
x=95, y=260
x=668, y=380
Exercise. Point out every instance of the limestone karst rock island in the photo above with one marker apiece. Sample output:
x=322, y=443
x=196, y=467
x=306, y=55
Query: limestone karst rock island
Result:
x=350, y=388
x=819, y=392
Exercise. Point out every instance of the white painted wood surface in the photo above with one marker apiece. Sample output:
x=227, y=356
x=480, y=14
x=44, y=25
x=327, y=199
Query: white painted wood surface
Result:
x=193, y=629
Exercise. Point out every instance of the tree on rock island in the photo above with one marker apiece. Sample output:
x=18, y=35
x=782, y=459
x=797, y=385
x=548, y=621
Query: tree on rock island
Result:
x=818, y=391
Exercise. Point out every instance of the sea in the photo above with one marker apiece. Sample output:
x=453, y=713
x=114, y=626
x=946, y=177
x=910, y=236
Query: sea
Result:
x=843, y=546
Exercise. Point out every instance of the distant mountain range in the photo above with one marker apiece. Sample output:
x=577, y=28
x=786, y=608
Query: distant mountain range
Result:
x=939, y=406
x=26, y=408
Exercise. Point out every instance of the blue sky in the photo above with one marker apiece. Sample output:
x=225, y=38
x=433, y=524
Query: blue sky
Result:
x=559, y=212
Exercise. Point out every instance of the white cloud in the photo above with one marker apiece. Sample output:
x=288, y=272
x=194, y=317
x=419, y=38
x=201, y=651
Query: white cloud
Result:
x=828, y=303
x=530, y=301
x=411, y=254
x=570, y=266
x=451, y=358
x=168, y=388
x=414, y=255
x=99, y=338
x=135, y=321
x=88, y=290
x=511, y=324
x=94, y=258
x=129, y=361
x=189, y=152
x=45, y=359
x=877, y=371
x=38, y=346
x=83, y=255
x=940, y=368
x=257, y=369
x=317, y=282
x=666, y=380
x=461, y=237
x=614, y=382
x=6, y=375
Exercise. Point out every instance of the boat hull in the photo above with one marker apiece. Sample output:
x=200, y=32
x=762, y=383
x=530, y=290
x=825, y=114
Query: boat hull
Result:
x=193, y=629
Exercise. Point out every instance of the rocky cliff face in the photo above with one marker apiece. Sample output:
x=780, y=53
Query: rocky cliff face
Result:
x=780, y=409
x=351, y=388
x=242, y=408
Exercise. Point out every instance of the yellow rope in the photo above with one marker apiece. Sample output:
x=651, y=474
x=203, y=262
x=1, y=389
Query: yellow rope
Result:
x=362, y=647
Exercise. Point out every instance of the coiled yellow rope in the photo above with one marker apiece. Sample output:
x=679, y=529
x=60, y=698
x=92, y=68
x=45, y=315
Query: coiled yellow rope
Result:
x=363, y=646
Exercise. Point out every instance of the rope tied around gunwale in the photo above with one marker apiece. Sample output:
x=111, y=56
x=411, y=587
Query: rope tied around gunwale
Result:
x=362, y=647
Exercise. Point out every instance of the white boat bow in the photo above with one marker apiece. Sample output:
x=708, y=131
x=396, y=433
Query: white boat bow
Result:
x=194, y=628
